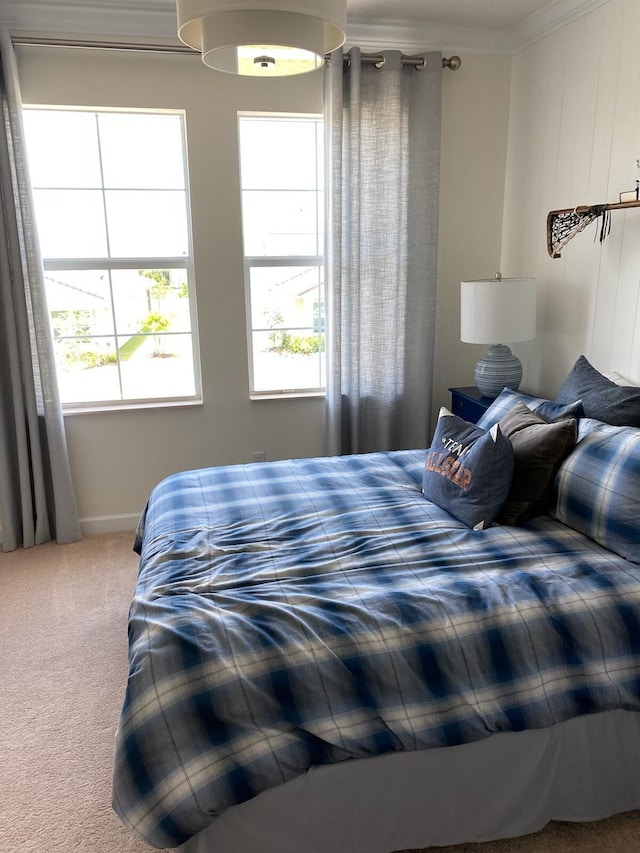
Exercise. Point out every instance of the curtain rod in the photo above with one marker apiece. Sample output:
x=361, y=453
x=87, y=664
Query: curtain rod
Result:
x=453, y=62
x=96, y=44
x=418, y=61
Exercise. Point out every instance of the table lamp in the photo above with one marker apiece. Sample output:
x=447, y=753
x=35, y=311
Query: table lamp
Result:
x=494, y=310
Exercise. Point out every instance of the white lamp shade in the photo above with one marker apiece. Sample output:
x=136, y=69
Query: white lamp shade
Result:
x=262, y=38
x=497, y=311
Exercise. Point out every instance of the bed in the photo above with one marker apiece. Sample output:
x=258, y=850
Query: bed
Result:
x=322, y=657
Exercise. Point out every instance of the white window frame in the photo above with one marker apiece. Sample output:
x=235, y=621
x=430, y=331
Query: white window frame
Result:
x=183, y=262
x=253, y=261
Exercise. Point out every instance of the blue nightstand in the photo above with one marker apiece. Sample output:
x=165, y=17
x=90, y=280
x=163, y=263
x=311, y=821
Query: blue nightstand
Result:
x=468, y=403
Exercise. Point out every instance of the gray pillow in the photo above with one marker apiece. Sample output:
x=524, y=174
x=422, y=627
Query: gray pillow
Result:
x=602, y=399
x=539, y=448
x=468, y=470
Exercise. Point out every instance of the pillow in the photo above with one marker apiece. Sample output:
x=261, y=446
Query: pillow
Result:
x=598, y=487
x=602, y=399
x=546, y=409
x=538, y=450
x=468, y=470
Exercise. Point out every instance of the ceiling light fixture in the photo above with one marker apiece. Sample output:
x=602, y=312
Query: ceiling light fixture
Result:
x=261, y=38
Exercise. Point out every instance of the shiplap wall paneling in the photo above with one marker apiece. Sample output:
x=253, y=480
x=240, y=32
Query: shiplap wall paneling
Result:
x=611, y=90
x=595, y=45
x=625, y=300
x=574, y=138
x=557, y=308
x=576, y=283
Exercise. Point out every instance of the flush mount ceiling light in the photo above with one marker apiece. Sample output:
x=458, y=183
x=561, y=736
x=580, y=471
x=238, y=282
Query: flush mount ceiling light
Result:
x=261, y=38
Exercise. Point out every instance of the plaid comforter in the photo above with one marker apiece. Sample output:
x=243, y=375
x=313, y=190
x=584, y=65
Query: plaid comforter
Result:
x=312, y=611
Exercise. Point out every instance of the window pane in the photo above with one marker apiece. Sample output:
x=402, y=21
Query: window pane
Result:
x=82, y=325
x=280, y=223
x=79, y=303
x=87, y=369
x=62, y=148
x=284, y=296
x=147, y=224
x=141, y=151
x=287, y=314
x=146, y=300
x=280, y=154
x=71, y=223
x=287, y=361
x=161, y=367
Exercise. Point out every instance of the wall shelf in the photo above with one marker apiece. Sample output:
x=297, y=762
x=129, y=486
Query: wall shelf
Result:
x=563, y=225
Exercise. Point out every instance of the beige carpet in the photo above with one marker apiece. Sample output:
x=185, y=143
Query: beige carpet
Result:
x=63, y=613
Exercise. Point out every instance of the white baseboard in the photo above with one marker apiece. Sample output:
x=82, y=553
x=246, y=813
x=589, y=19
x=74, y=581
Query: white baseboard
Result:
x=109, y=523
x=105, y=524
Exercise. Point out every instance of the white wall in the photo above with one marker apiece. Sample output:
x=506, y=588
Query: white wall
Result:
x=474, y=150
x=574, y=138
x=117, y=457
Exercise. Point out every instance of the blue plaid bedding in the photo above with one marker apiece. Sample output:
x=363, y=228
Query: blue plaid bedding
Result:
x=312, y=611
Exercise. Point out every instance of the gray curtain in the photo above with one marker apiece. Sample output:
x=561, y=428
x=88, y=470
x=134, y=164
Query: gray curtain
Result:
x=36, y=494
x=383, y=171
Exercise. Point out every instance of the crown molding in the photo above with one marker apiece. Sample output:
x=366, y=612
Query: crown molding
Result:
x=412, y=36
x=157, y=19
x=154, y=18
x=418, y=36
x=552, y=17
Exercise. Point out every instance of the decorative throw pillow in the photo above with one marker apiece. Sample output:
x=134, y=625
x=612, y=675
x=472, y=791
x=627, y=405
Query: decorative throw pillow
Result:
x=545, y=409
x=538, y=449
x=602, y=399
x=468, y=470
x=599, y=487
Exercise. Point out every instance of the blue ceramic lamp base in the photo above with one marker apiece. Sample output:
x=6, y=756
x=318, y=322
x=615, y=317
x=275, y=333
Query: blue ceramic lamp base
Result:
x=497, y=369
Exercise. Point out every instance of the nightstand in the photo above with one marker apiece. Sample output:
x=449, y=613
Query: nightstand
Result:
x=468, y=403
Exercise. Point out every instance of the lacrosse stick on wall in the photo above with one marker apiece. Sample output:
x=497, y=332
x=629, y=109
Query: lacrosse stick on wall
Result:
x=563, y=225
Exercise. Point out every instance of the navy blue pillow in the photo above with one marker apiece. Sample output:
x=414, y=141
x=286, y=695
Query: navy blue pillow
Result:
x=545, y=409
x=601, y=398
x=468, y=470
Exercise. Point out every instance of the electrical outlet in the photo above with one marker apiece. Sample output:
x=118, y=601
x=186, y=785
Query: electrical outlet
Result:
x=258, y=456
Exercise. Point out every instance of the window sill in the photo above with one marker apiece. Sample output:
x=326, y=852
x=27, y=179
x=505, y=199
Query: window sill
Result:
x=288, y=395
x=97, y=409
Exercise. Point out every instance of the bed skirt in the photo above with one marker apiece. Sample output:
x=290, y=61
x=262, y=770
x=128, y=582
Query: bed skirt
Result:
x=507, y=785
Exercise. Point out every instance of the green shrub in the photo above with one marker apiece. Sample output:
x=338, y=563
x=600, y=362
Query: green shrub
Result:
x=89, y=358
x=298, y=344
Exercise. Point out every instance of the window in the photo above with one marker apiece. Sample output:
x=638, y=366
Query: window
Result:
x=112, y=211
x=281, y=161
